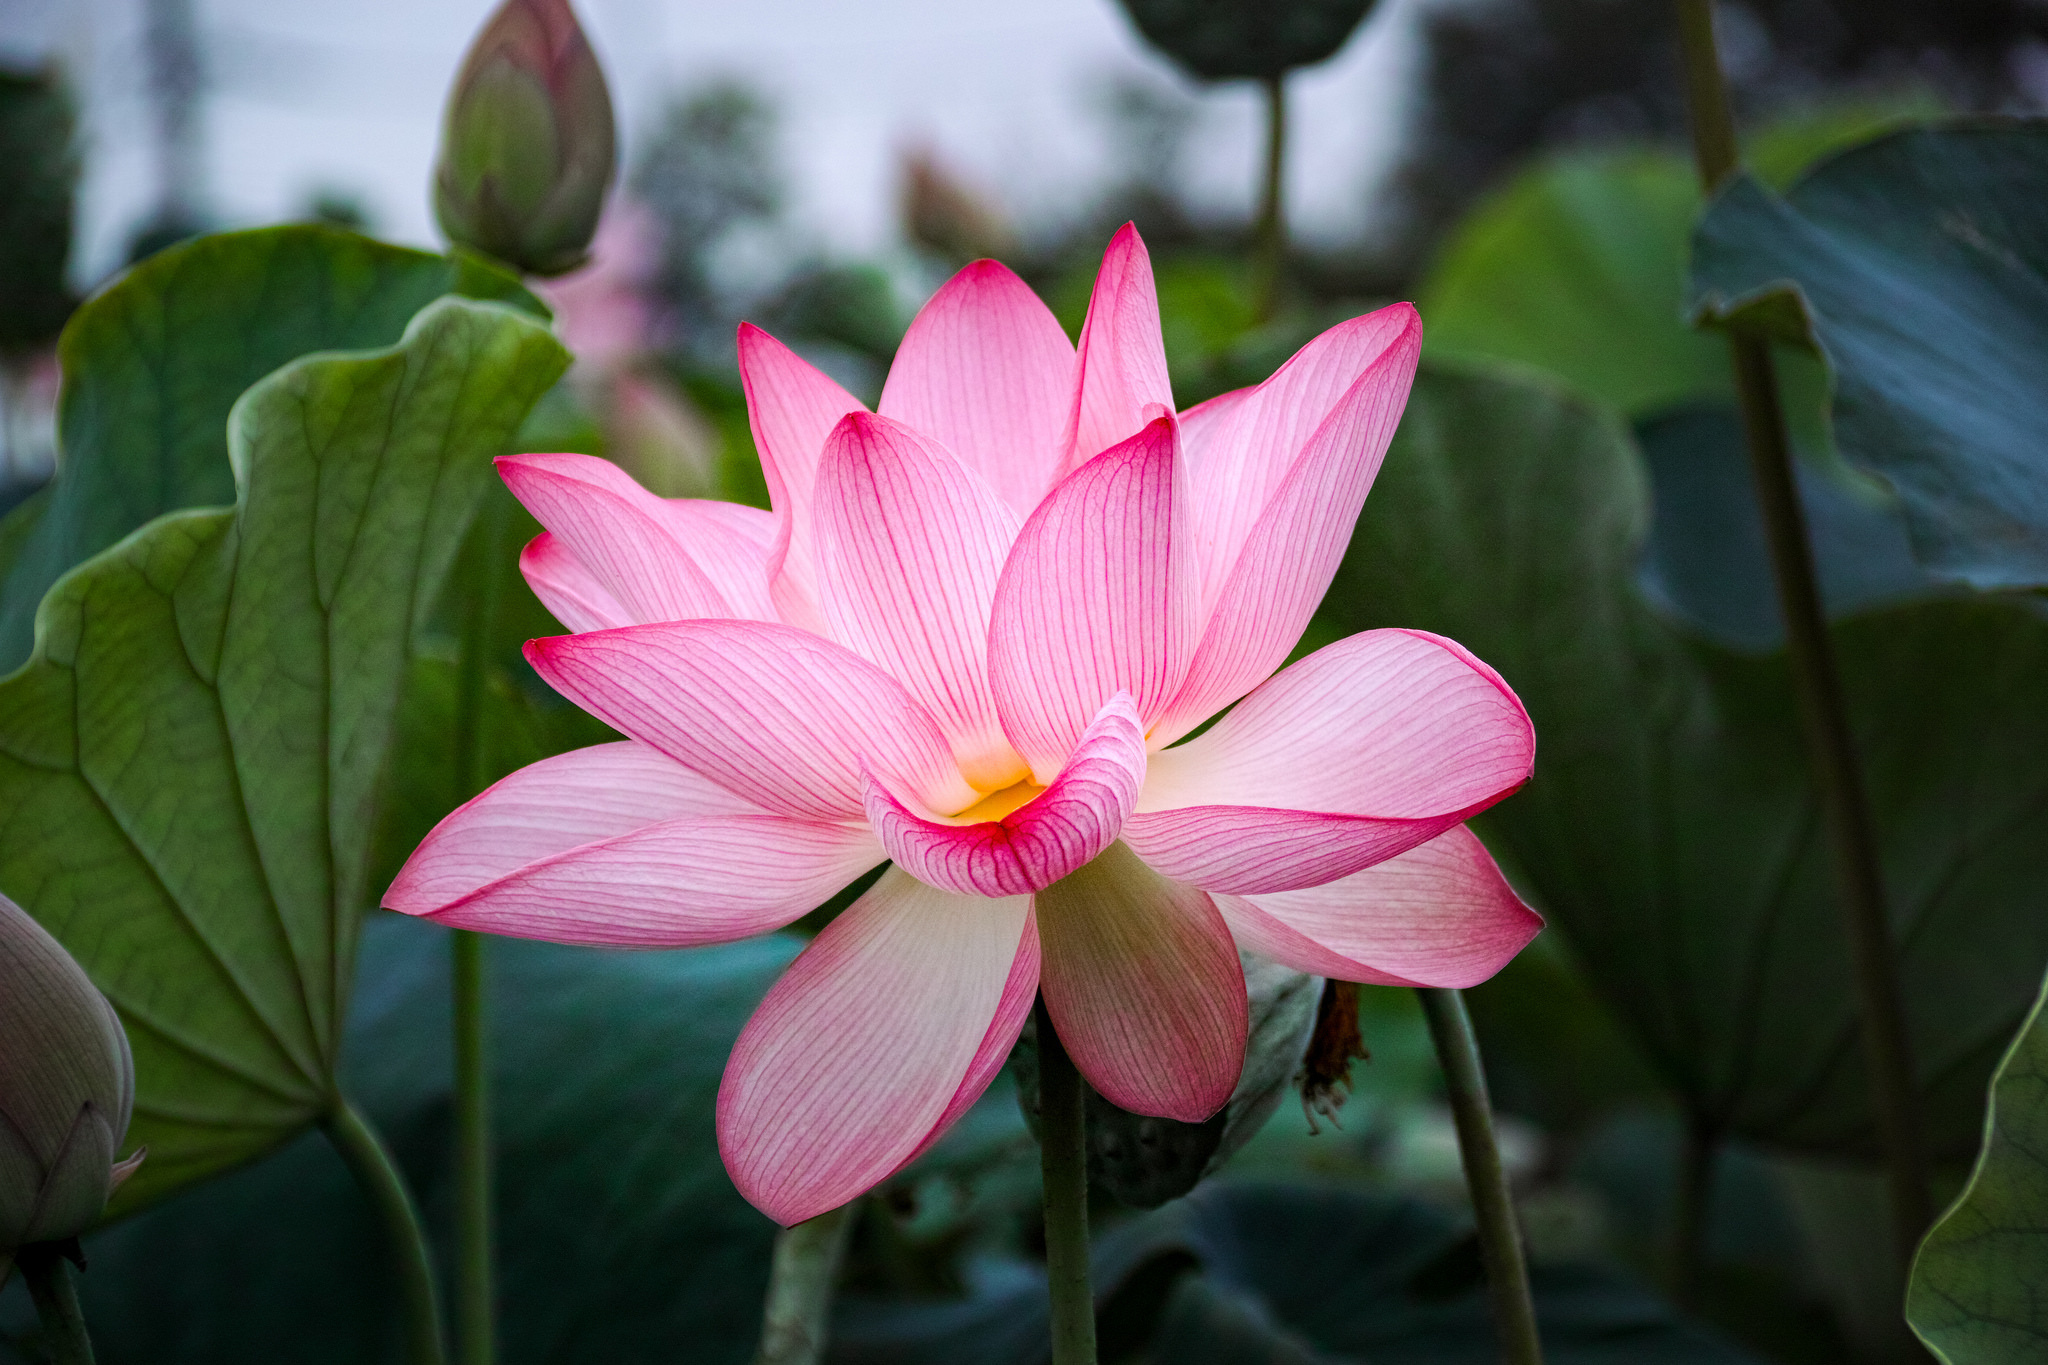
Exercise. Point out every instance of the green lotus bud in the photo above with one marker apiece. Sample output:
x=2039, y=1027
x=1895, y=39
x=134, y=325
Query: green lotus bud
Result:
x=527, y=148
x=1220, y=40
x=67, y=1084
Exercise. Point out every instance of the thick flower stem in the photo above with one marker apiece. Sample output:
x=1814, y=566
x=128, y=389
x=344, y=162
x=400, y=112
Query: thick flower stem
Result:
x=475, y=1250
x=797, y=1315
x=48, y=1272
x=475, y=1287
x=1845, y=809
x=1493, y=1208
x=406, y=1240
x=1271, y=233
x=1063, y=1152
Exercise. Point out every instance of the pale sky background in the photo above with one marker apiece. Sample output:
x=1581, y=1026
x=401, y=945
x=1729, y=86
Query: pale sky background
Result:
x=311, y=94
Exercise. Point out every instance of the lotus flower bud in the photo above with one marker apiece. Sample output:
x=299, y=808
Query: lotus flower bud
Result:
x=527, y=150
x=1145, y=1161
x=67, y=1084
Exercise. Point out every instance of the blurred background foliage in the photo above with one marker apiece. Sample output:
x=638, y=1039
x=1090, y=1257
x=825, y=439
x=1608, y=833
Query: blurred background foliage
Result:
x=1567, y=496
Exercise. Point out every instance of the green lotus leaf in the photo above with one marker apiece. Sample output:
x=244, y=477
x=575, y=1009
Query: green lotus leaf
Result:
x=189, y=760
x=1918, y=265
x=1979, y=1292
x=1670, y=832
x=154, y=362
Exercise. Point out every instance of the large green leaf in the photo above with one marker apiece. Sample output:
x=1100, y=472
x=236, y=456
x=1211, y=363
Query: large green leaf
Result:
x=1979, y=1293
x=1706, y=561
x=189, y=759
x=1919, y=266
x=153, y=364
x=1578, y=266
x=620, y=1237
x=1669, y=830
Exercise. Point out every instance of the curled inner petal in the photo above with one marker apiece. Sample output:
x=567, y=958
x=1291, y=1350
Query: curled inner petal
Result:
x=1023, y=837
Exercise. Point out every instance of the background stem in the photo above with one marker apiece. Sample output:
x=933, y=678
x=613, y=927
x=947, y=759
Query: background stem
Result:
x=1493, y=1208
x=475, y=1244
x=405, y=1239
x=48, y=1273
x=796, y=1319
x=475, y=1278
x=1837, y=775
x=1063, y=1152
x=1271, y=233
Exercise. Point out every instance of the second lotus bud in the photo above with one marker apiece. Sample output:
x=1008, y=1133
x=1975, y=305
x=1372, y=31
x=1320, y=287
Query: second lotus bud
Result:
x=528, y=147
x=67, y=1086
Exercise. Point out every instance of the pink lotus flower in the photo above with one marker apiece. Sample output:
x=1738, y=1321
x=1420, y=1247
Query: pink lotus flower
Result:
x=967, y=640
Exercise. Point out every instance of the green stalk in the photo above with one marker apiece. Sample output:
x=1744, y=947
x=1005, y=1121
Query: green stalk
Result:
x=796, y=1318
x=46, y=1268
x=406, y=1240
x=475, y=1290
x=1845, y=809
x=1063, y=1154
x=1271, y=234
x=475, y=1270
x=1493, y=1207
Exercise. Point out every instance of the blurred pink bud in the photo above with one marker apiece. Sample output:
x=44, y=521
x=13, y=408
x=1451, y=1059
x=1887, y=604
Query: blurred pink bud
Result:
x=527, y=146
x=67, y=1086
x=602, y=313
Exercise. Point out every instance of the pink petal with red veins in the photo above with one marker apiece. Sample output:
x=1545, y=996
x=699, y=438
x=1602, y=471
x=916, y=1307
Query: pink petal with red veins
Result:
x=791, y=407
x=731, y=544
x=878, y=1037
x=1277, y=572
x=776, y=715
x=1120, y=380
x=912, y=542
x=1242, y=448
x=550, y=807
x=619, y=845
x=568, y=590
x=1036, y=844
x=986, y=370
x=1142, y=981
x=1098, y=597
x=674, y=884
x=1438, y=915
x=1358, y=752
x=617, y=530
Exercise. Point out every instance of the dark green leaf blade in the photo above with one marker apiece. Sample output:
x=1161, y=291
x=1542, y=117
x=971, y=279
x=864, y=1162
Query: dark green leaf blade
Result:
x=1669, y=831
x=189, y=760
x=153, y=364
x=1919, y=265
x=1979, y=1292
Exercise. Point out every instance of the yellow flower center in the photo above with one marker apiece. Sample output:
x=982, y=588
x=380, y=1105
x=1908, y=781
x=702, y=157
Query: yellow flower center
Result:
x=997, y=804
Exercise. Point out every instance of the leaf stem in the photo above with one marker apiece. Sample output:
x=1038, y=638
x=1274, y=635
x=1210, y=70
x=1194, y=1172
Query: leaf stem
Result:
x=1271, y=233
x=1493, y=1208
x=46, y=1268
x=1063, y=1153
x=796, y=1318
x=1837, y=774
x=475, y=1243
x=406, y=1240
